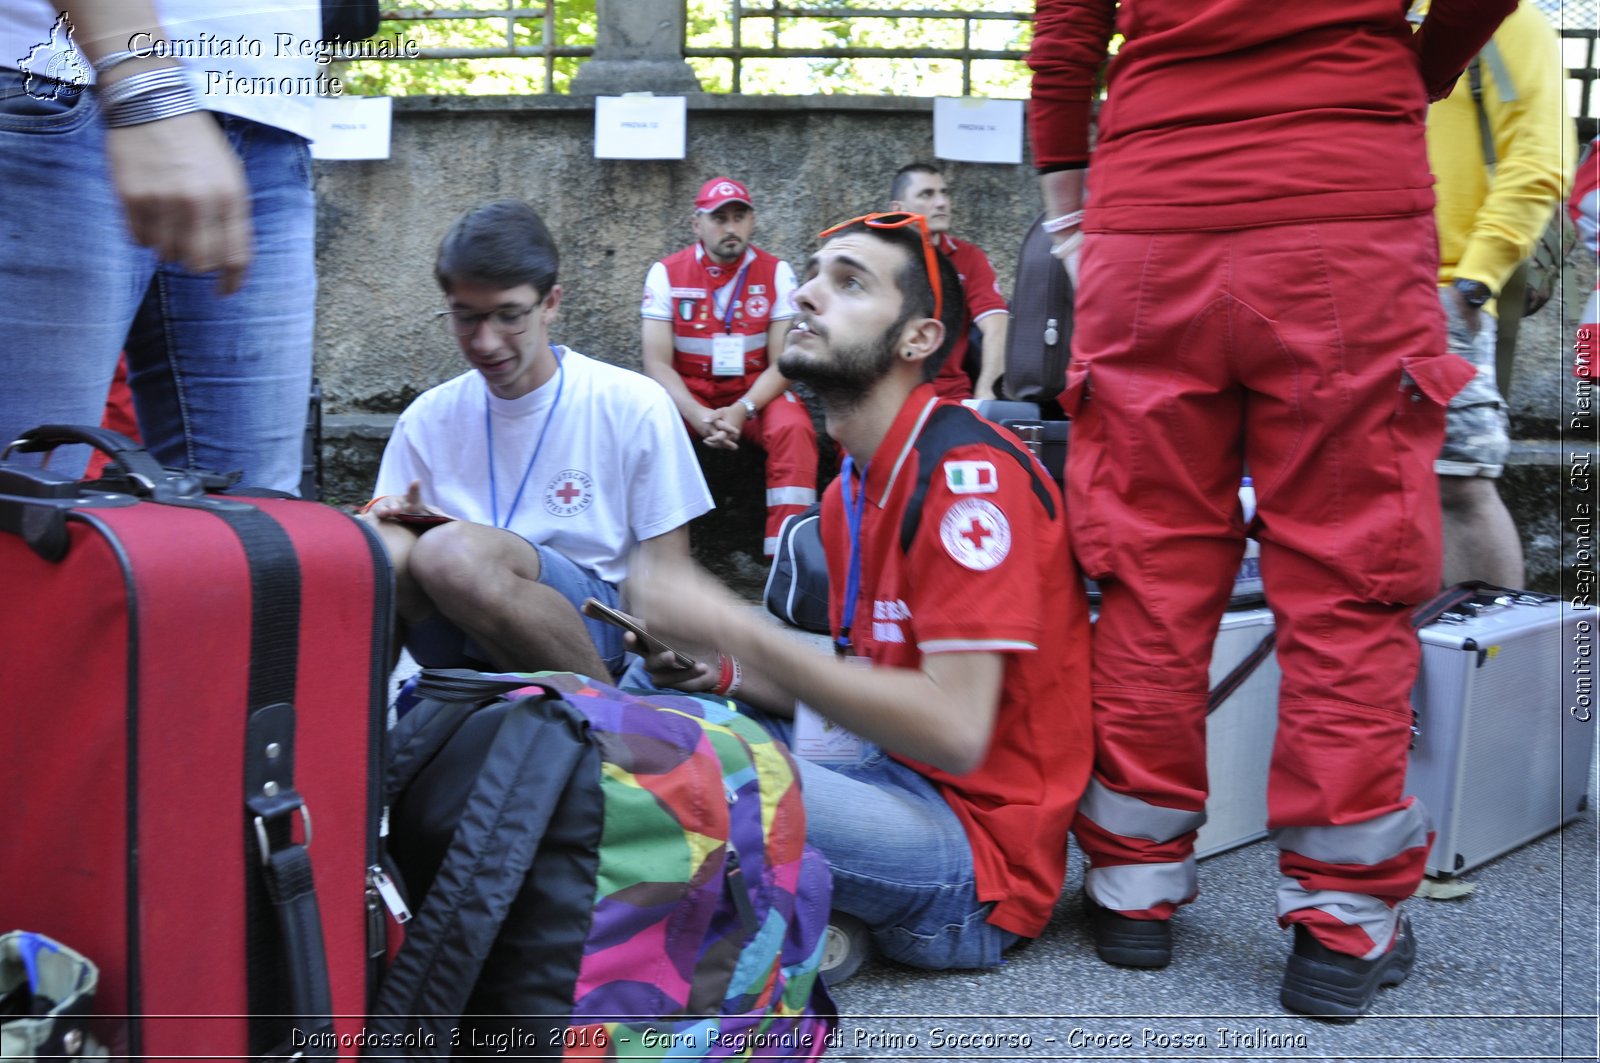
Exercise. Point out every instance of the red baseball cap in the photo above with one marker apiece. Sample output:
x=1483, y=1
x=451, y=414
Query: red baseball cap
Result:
x=720, y=191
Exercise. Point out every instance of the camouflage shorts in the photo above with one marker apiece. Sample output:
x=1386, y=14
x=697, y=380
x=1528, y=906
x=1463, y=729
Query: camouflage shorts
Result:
x=1476, y=424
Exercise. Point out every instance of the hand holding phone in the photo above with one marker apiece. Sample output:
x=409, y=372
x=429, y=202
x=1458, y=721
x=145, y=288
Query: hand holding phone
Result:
x=595, y=609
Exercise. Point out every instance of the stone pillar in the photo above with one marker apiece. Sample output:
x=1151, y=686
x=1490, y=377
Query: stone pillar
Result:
x=638, y=48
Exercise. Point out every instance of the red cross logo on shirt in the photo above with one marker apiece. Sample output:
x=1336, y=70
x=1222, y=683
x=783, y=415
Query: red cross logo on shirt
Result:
x=569, y=493
x=976, y=534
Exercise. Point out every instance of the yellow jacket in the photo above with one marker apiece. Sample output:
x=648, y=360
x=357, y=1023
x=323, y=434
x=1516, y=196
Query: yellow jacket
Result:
x=1487, y=224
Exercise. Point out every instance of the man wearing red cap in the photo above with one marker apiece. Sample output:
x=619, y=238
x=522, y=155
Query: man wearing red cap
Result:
x=711, y=313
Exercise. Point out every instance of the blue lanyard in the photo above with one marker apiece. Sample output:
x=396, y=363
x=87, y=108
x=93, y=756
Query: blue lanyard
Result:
x=852, y=582
x=733, y=298
x=488, y=431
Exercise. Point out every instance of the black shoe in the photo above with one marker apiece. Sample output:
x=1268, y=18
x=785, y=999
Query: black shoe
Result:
x=1128, y=942
x=1337, y=987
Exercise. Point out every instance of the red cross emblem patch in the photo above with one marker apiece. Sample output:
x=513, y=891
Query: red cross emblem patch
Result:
x=569, y=493
x=976, y=534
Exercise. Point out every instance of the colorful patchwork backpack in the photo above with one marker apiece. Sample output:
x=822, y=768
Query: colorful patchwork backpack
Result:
x=598, y=875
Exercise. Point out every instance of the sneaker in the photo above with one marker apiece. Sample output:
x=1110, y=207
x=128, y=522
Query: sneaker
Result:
x=1127, y=942
x=1338, y=987
x=846, y=945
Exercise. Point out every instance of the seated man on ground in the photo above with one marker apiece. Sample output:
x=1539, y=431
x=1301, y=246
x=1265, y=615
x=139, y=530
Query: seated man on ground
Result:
x=951, y=577
x=712, y=313
x=555, y=466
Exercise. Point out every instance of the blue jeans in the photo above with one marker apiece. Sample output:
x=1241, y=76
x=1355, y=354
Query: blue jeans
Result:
x=219, y=382
x=900, y=859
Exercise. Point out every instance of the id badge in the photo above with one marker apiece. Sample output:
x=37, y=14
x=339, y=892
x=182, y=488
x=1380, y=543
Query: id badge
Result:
x=820, y=740
x=727, y=355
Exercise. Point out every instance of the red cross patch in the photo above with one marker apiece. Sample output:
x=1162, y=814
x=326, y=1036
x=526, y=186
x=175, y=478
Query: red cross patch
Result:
x=569, y=493
x=976, y=534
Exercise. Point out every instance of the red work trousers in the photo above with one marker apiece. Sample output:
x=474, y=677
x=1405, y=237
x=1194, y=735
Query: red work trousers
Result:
x=783, y=429
x=1315, y=355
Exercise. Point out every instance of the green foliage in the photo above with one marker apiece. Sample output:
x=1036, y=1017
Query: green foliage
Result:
x=709, y=25
x=574, y=26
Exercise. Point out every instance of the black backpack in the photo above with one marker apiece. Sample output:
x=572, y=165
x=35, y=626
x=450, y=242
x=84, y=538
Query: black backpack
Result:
x=797, y=582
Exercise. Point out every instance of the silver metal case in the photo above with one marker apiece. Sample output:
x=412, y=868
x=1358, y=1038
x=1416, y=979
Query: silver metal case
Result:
x=1503, y=747
x=1239, y=738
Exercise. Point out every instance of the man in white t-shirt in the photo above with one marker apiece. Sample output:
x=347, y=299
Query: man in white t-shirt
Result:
x=554, y=466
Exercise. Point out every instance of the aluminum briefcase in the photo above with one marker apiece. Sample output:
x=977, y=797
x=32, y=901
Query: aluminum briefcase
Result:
x=1239, y=738
x=1505, y=735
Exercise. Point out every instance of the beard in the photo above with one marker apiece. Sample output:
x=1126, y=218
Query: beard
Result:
x=728, y=251
x=842, y=382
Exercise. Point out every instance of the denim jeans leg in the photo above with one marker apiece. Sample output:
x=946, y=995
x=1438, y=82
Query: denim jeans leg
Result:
x=900, y=858
x=70, y=279
x=221, y=382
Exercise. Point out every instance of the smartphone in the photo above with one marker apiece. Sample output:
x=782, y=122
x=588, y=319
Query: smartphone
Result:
x=593, y=607
x=422, y=519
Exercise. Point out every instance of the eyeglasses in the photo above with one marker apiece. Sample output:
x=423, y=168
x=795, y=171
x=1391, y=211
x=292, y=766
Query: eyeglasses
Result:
x=505, y=321
x=899, y=219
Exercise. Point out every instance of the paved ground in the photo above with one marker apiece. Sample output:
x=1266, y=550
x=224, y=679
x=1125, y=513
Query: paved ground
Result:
x=1507, y=972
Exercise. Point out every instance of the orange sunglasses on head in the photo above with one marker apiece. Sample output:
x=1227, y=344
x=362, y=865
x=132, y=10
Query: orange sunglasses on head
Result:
x=899, y=219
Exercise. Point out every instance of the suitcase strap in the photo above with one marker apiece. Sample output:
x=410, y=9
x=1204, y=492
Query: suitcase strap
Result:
x=1421, y=617
x=288, y=972
x=536, y=754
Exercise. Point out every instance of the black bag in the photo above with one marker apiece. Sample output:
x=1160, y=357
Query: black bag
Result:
x=349, y=20
x=797, y=582
x=1039, y=341
x=1046, y=439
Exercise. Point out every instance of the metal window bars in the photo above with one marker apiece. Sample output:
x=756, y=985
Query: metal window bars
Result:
x=839, y=11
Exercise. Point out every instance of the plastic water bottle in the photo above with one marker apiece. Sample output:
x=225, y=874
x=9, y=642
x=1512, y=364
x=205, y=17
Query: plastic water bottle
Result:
x=1248, y=583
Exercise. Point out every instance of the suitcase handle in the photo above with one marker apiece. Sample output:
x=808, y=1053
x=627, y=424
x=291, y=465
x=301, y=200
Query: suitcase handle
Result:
x=1446, y=600
x=128, y=455
x=135, y=472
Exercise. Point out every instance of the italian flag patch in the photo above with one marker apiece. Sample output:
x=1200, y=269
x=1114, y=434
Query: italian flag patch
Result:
x=970, y=477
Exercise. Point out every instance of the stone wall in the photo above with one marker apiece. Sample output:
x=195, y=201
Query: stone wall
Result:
x=808, y=161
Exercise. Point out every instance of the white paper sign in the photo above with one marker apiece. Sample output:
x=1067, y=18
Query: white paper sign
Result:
x=639, y=127
x=973, y=129
x=352, y=127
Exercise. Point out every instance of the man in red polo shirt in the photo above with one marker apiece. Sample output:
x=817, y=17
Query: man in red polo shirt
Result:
x=711, y=313
x=950, y=576
x=921, y=188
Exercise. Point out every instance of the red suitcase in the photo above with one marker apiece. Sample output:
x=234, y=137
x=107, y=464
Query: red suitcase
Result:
x=192, y=710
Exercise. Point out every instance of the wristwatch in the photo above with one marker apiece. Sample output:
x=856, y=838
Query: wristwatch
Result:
x=1474, y=293
x=749, y=407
